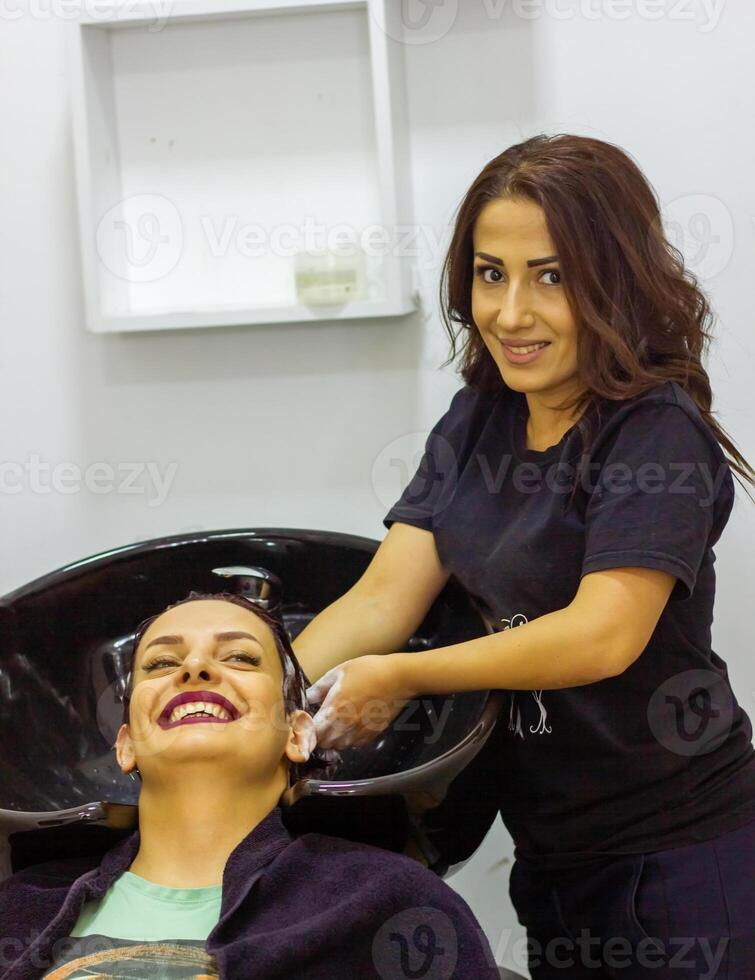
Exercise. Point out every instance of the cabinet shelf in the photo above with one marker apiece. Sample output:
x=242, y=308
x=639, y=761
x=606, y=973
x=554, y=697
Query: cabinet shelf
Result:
x=215, y=144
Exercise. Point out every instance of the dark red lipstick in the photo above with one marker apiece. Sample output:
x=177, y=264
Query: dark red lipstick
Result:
x=188, y=697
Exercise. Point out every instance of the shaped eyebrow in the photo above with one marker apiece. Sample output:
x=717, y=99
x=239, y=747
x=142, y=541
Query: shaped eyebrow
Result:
x=238, y=635
x=530, y=262
x=173, y=639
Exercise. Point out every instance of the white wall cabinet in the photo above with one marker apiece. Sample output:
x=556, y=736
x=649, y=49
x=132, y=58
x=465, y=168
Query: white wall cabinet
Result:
x=217, y=140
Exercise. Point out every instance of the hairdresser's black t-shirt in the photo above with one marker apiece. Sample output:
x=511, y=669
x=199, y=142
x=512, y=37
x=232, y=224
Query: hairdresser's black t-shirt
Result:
x=660, y=755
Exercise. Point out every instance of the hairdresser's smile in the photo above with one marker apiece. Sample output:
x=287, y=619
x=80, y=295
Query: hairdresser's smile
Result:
x=519, y=353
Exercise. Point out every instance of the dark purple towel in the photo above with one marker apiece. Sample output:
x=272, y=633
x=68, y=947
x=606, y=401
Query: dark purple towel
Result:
x=311, y=907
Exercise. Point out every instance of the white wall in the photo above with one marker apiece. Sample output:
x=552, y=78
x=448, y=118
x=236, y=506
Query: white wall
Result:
x=280, y=426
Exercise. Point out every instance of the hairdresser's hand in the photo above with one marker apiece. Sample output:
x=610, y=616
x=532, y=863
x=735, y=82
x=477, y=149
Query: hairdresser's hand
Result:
x=358, y=700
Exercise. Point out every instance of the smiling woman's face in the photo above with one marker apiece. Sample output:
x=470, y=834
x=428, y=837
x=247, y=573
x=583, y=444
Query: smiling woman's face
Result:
x=207, y=684
x=518, y=299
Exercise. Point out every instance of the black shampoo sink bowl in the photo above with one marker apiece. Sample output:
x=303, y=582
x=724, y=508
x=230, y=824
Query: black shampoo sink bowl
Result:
x=65, y=641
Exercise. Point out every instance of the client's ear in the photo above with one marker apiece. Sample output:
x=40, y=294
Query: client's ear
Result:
x=302, y=737
x=124, y=750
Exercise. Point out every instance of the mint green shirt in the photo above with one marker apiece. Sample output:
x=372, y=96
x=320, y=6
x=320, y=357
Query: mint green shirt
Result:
x=134, y=908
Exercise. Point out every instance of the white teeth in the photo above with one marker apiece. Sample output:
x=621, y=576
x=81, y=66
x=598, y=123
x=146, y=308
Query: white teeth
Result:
x=527, y=350
x=196, y=707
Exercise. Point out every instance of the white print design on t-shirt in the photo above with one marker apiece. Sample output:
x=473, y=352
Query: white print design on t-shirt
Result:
x=519, y=619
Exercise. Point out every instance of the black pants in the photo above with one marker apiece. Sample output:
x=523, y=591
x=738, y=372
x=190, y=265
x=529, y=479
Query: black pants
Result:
x=687, y=913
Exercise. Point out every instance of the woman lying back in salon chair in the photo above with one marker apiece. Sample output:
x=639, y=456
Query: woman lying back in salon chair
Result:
x=212, y=884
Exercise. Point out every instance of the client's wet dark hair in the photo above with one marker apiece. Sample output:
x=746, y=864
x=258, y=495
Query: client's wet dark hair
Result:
x=295, y=682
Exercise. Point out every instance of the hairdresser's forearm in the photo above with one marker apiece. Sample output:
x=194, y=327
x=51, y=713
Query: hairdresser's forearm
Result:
x=357, y=623
x=557, y=650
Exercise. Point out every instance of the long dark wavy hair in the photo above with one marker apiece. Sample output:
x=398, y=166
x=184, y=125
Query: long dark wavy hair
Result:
x=643, y=319
x=295, y=683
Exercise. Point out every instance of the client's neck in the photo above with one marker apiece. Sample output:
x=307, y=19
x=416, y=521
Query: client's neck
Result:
x=189, y=827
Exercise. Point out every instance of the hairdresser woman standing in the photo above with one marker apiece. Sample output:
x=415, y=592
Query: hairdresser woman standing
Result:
x=575, y=487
